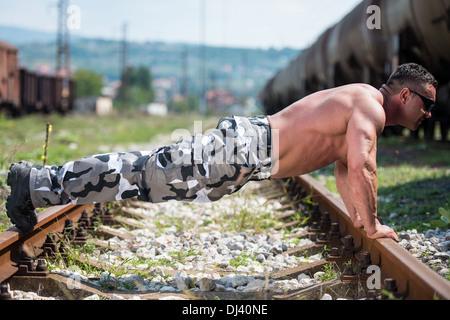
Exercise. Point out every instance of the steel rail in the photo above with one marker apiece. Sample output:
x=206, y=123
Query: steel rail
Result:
x=13, y=241
x=415, y=280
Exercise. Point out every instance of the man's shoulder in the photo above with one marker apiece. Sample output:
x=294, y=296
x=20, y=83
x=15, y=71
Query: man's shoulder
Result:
x=359, y=95
x=367, y=97
x=368, y=105
x=364, y=89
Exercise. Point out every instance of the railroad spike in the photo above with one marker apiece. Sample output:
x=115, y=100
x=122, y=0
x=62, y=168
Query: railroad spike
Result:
x=333, y=237
x=334, y=254
x=314, y=227
x=364, y=262
x=41, y=265
x=372, y=295
x=86, y=222
x=325, y=222
x=80, y=238
x=4, y=292
x=97, y=208
x=69, y=231
x=107, y=217
x=50, y=247
x=391, y=290
x=335, y=232
x=316, y=214
x=349, y=247
x=349, y=275
x=26, y=267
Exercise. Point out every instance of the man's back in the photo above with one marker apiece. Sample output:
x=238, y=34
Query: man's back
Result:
x=313, y=131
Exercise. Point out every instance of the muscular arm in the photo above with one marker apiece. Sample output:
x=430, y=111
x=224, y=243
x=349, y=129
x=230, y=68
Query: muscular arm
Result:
x=340, y=172
x=356, y=176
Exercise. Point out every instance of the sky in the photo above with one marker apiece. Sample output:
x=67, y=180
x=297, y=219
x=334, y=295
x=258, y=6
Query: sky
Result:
x=231, y=23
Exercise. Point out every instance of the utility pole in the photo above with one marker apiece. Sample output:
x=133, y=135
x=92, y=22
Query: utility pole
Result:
x=184, y=73
x=124, y=64
x=63, y=52
x=202, y=100
x=244, y=77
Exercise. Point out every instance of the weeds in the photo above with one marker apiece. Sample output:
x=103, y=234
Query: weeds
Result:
x=45, y=146
x=329, y=273
x=244, y=259
x=180, y=256
x=248, y=217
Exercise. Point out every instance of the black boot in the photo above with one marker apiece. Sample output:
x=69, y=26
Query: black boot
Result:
x=19, y=206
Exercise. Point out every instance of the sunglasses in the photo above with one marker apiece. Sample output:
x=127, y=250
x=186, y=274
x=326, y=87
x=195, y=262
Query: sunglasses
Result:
x=429, y=104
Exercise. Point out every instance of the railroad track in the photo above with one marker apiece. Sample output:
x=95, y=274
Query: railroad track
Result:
x=362, y=268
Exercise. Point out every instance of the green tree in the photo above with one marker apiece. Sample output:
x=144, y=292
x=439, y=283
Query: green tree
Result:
x=138, y=89
x=188, y=104
x=88, y=83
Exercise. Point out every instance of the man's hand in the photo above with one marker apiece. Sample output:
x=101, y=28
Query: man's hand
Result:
x=384, y=232
x=381, y=230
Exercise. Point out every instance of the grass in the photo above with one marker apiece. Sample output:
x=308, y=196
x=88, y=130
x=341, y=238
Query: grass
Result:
x=414, y=182
x=244, y=259
x=329, y=273
x=245, y=218
x=76, y=136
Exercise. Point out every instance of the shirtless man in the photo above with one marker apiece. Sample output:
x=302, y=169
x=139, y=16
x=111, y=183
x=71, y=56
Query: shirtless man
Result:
x=338, y=126
x=342, y=126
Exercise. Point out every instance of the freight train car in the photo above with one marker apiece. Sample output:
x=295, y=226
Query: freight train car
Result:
x=28, y=91
x=355, y=51
x=24, y=92
x=9, y=79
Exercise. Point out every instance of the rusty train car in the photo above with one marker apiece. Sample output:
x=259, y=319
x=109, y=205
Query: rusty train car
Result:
x=355, y=51
x=24, y=92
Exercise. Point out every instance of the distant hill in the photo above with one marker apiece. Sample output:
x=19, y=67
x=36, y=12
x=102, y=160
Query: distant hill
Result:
x=20, y=36
x=243, y=71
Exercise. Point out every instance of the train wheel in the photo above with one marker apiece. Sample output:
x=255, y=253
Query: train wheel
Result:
x=6, y=112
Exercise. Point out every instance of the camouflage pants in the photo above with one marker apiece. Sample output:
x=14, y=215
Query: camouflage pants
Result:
x=201, y=168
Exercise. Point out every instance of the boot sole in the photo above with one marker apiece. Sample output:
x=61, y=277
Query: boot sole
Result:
x=13, y=180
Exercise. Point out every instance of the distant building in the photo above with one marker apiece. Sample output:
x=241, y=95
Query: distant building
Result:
x=98, y=105
x=156, y=109
x=219, y=99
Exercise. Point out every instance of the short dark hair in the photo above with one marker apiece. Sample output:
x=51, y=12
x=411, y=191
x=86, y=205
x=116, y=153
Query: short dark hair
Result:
x=412, y=74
